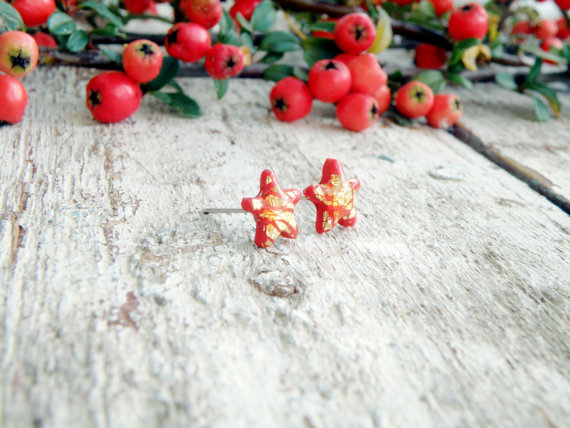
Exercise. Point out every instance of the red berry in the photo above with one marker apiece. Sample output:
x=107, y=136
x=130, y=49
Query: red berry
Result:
x=137, y=7
x=291, y=99
x=13, y=99
x=563, y=4
x=34, y=12
x=384, y=98
x=522, y=27
x=188, y=42
x=551, y=41
x=206, y=13
x=563, y=30
x=357, y=111
x=414, y=99
x=367, y=74
x=112, y=96
x=44, y=39
x=345, y=58
x=446, y=111
x=442, y=6
x=545, y=29
x=430, y=56
x=223, y=61
x=329, y=80
x=354, y=33
x=18, y=53
x=142, y=60
x=469, y=21
x=245, y=7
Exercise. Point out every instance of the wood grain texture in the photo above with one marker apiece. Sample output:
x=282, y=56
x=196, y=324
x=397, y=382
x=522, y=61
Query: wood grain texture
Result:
x=122, y=305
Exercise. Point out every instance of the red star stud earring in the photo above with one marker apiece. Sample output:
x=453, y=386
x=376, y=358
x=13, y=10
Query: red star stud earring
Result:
x=333, y=197
x=272, y=209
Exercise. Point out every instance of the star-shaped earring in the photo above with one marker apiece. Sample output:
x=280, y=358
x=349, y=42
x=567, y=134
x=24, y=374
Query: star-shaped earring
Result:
x=273, y=210
x=333, y=197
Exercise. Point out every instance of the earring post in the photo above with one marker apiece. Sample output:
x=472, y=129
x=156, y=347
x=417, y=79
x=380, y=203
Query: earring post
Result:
x=223, y=211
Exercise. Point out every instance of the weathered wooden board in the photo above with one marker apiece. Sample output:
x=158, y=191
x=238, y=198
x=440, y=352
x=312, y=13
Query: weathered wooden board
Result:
x=505, y=121
x=122, y=305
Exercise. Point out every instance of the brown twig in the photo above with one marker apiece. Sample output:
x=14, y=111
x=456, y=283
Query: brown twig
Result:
x=505, y=14
x=318, y=8
x=532, y=178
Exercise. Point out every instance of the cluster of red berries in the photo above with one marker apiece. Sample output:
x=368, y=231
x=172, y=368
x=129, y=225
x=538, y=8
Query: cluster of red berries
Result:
x=353, y=80
x=113, y=96
x=550, y=32
x=18, y=58
x=416, y=99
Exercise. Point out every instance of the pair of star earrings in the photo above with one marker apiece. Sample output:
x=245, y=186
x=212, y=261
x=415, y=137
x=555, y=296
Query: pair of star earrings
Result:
x=273, y=208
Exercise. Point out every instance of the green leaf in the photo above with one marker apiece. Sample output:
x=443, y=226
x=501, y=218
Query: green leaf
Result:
x=506, y=81
x=245, y=25
x=467, y=43
x=264, y=16
x=317, y=48
x=226, y=23
x=109, y=30
x=10, y=16
x=246, y=40
x=168, y=71
x=77, y=41
x=301, y=74
x=279, y=41
x=179, y=101
x=425, y=10
x=394, y=115
x=458, y=79
x=323, y=26
x=534, y=72
x=276, y=72
x=102, y=10
x=433, y=78
x=271, y=57
x=548, y=93
x=113, y=56
x=541, y=110
x=222, y=86
x=61, y=24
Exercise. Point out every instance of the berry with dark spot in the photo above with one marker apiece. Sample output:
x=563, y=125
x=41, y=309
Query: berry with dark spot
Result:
x=18, y=53
x=112, y=96
x=446, y=111
x=34, y=12
x=329, y=80
x=206, y=13
x=357, y=112
x=223, y=61
x=414, y=99
x=142, y=60
x=13, y=100
x=367, y=74
x=291, y=99
x=469, y=21
x=384, y=98
x=187, y=42
x=354, y=33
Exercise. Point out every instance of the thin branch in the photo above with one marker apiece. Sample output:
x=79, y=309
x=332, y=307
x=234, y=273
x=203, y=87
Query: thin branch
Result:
x=318, y=8
x=505, y=14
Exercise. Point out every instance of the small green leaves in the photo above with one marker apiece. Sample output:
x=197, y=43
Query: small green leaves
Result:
x=102, y=10
x=169, y=70
x=113, y=56
x=541, y=110
x=77, y=41
x=10, y=16
x=180, y=101
x=61, y=24
x=323, y=26
x=221, y=86
x=506, y=81
x=227, y=33
x=271, y=57
x=461, y=47
x=279, y=41
x=316, y=48
x=277, y=72
x=433, y=78
x=458, y=79
x=264, y=16
x=548, y=93
x=534, y=72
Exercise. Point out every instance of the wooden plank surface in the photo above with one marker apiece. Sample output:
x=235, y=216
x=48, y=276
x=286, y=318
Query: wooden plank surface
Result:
x=122, y=305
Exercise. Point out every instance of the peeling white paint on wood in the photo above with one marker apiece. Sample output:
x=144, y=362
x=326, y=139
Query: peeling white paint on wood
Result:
x=122, y=305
